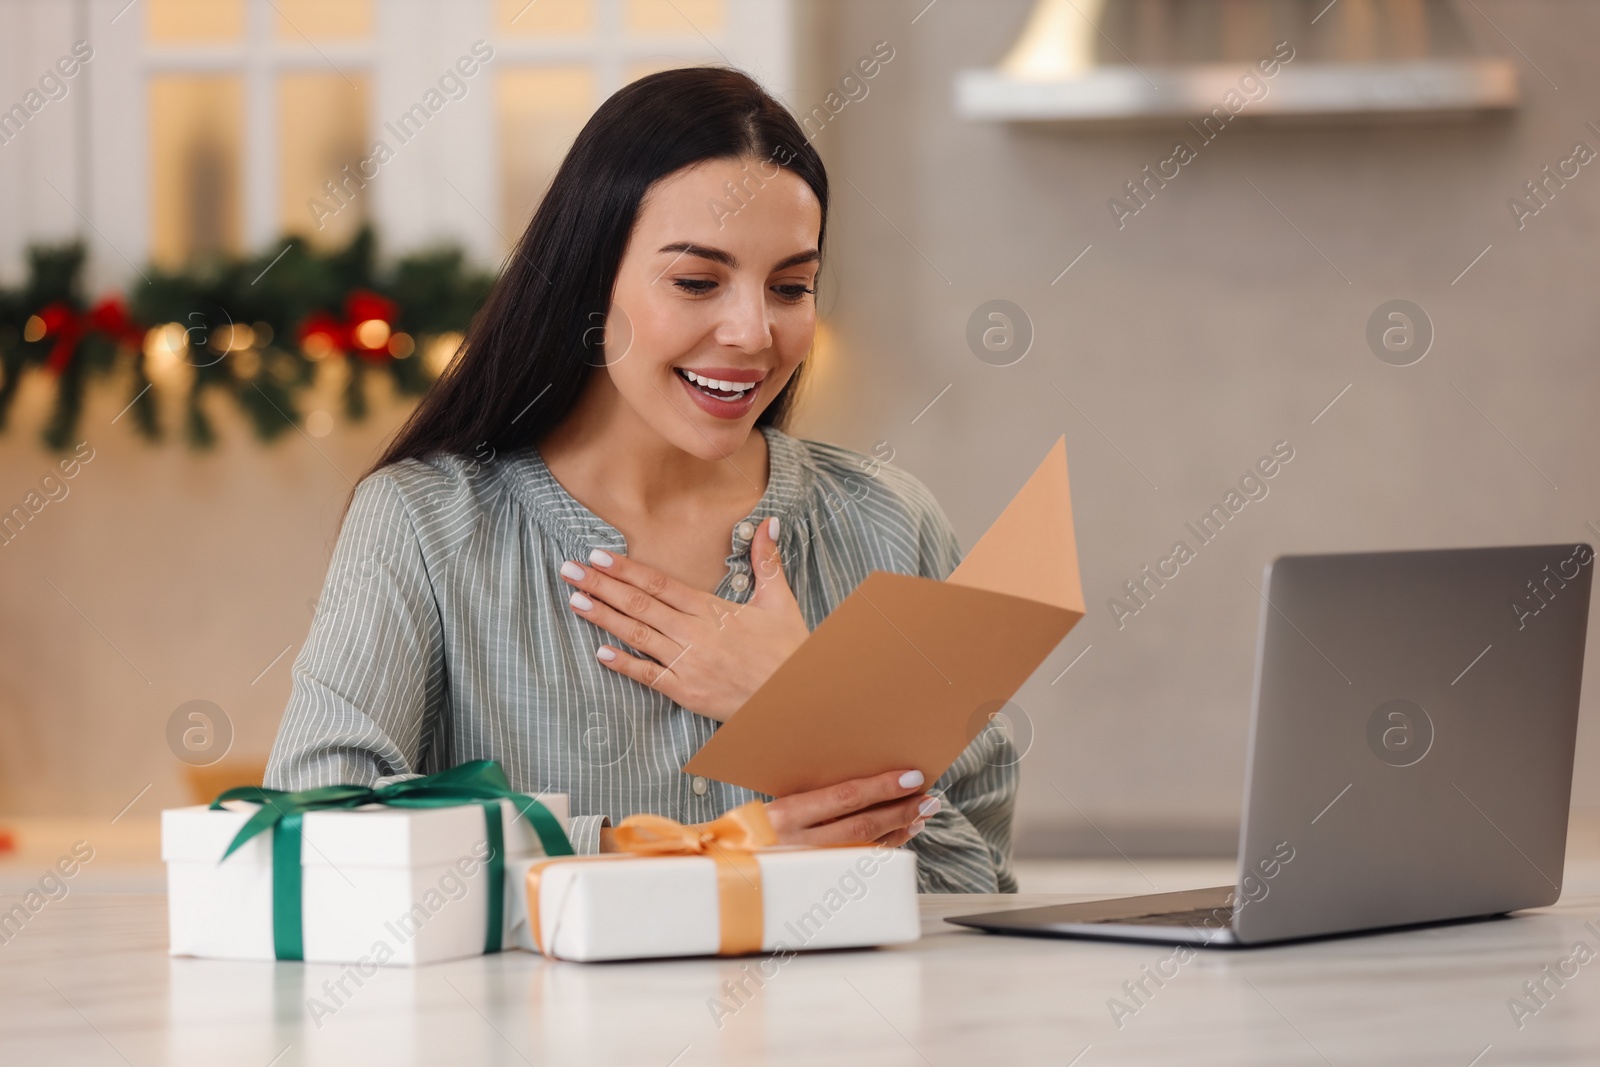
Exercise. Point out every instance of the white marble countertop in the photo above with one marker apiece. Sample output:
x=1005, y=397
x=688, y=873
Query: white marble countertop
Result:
x=88, y=981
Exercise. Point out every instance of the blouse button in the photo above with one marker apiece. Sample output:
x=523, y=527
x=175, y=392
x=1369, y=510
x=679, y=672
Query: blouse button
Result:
x=699, y=786
x=745, y=530
x=740, y=581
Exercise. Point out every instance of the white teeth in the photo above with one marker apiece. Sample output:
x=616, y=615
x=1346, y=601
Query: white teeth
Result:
x=717, y=383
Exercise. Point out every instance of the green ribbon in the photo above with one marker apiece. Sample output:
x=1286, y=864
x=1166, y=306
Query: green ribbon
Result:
x=479, y=782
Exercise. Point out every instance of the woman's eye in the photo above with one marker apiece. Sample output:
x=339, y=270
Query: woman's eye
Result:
x=793, y=292
x=695, y=285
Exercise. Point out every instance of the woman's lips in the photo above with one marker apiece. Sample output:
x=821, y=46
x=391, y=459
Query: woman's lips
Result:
x=707, y=397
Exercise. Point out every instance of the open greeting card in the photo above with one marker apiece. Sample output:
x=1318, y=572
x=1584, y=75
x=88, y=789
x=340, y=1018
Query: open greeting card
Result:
x=907, y=671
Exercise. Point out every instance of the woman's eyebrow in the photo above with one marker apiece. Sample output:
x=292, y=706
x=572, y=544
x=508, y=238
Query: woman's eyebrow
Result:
x=810, y=255
x=688, y=248
x=727, y=259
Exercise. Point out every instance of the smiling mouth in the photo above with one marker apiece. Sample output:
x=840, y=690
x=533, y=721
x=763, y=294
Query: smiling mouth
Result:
x=716, y=388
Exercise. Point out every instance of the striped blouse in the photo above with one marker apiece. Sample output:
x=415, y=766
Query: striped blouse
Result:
x=442, y=635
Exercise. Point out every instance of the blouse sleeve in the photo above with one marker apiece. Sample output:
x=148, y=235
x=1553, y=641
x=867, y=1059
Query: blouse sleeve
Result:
x=368, y=685
x=966, y=845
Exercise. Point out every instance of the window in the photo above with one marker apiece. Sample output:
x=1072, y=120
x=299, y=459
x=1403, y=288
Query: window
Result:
x=322, y=128
x=195, y=150
x=541, y=109
x=656, y=17
x=194, y=21
x=323, y=20
x=217, y=123
x=543, y=98
x=544, y=18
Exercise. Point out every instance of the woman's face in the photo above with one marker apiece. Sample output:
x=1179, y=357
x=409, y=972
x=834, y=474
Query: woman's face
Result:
x=713, y=309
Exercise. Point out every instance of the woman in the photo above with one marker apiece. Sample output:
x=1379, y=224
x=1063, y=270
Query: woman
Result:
x=592, y=541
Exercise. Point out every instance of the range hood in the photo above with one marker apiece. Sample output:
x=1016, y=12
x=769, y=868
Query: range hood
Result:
x=1096, y=61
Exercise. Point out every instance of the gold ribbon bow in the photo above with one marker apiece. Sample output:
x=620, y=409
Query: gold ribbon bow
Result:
x=730, y=841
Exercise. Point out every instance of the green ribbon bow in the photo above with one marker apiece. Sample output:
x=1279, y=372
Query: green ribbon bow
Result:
x=479, y=782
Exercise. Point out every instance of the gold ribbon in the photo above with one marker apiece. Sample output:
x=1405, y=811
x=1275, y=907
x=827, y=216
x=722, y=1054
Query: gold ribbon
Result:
x=731, y=841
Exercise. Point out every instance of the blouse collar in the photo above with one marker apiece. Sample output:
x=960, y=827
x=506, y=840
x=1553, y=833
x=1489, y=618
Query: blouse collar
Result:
x=579, y=530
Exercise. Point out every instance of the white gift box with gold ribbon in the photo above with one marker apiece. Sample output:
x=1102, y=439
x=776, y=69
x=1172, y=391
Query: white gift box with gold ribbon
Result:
x=716, y=889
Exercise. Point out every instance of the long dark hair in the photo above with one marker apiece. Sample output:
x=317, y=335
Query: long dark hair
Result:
x=533, y=344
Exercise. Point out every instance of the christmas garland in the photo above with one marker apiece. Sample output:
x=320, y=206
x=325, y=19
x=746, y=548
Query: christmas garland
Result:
x=254, y=328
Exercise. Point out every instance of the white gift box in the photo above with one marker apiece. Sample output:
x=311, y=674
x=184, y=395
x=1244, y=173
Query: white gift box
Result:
x=379, y=884
x=620, y=906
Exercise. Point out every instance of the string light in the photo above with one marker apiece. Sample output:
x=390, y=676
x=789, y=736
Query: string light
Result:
x=372, y=334
x=440, y=351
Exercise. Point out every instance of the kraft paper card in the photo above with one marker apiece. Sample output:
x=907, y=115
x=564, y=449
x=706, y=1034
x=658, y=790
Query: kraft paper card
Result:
x=907, y=671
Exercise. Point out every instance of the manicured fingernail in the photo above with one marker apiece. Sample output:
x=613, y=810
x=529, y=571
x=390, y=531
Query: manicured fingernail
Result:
x=772, y=527
x=928, y=807
x=581, y=602
x=910, y=779
x=916, y=828
x=606, y=654
x=571, y=570
x=601, y=558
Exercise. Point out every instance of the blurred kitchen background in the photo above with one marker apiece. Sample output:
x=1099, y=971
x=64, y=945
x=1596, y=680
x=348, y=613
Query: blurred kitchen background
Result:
x=1017, y=251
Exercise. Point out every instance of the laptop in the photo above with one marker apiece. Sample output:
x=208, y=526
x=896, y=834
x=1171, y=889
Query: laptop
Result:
x=1410, y=756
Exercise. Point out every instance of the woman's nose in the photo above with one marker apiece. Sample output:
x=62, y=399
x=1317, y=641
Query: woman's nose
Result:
x=745, y=325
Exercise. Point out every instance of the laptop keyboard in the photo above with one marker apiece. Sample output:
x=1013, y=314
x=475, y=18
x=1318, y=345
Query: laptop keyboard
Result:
x=1214, y=918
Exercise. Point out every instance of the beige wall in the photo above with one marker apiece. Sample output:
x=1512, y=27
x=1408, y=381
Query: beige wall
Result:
x=163, y=576
x=1195, y=338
